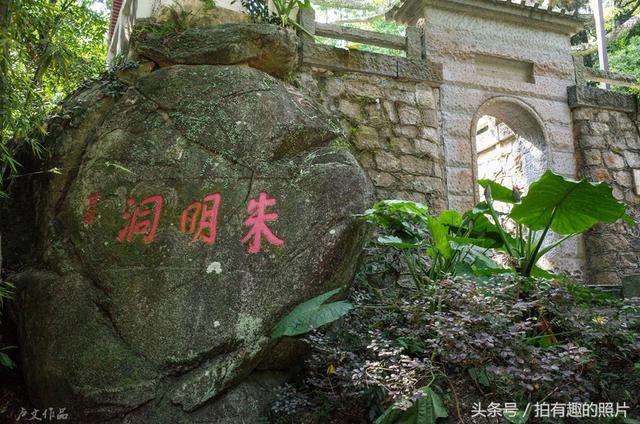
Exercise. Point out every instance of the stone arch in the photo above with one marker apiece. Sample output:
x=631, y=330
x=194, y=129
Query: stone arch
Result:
x=528, y=129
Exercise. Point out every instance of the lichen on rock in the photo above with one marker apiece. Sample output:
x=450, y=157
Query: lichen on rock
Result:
x=119, y=315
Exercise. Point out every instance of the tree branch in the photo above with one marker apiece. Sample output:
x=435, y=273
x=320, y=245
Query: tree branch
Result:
x=587, y=49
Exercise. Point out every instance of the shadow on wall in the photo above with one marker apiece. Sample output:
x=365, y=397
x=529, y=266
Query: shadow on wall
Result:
x=510, y=144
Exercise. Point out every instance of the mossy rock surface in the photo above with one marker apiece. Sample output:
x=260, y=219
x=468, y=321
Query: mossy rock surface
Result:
x=116, y=321
x=267, y=47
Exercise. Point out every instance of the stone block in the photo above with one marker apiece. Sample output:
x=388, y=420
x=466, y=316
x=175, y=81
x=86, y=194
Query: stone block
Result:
x=631, y=286
x=335, y=59
x=632, y=158
x=430, y=134
x=425, y=97
x=419, y=70
x=583, y=113
x=366, y=138
x=401, y=95
x=458, y=152
x=416, y=166
x=382, y=179
x=600, y=174
x=584, y=96
x=386, y=161
x=425, y=184
x=350, y=109
x=623, y=178
x=363, y=89
x=592, y=157
x=334, y=87
x=613, y=160
x=607, y=279
x=460, y=181
x=366, y=160
x=461, y=203
x=427, y=147
x=563, y=163
x=375, y=115
x=392, y=114
x=409, y=115
x=402, y=145
x=409, y=131
x=430, y=118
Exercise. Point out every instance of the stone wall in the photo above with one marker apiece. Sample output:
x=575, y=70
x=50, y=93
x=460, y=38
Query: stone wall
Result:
x=392, y=124
x=607, y=134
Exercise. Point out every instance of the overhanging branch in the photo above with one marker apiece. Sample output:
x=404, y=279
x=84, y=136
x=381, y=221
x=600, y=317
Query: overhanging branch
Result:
x=587, y=49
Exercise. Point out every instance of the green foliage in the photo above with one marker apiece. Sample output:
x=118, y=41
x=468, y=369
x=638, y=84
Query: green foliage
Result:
x=432, y=247
x=5, y=360
x=259, y=12
x=507, y=338
x=425, y=410
x=312, y=314
x=6, y=292
x=459, y=244
x=624, y=57
x=48, y=48
x=378, y=25
x=553, y=203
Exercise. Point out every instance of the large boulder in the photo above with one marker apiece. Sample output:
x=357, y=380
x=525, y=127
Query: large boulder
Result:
x=267, y=47
x=181, y=220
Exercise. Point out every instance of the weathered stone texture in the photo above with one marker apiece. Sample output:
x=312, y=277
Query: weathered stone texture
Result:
x=269, y=48
x=609, y=150
x=156, y=329
x=393, y=126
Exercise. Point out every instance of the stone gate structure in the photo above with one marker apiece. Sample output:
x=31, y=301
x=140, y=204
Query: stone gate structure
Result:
x=412, y=119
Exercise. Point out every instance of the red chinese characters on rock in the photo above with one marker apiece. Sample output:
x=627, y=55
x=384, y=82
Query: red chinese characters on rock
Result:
x=92, y=207
x=202, y=219
x=199, y=219
x=144, y=220
x=257, y=221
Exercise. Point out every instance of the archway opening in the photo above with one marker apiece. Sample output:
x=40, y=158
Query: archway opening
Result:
x=510, y=144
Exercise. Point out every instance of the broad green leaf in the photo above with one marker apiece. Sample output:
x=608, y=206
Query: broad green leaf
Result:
x=463, y=268
x=390, y=416
x=399, y=243
x=480, y=377
x=401, y=218
x=575, y=206
x=425, y=410
x=440, y=235
x=500, y=192
x=6, y=361
x=429, y=407
x=311, y=314
x=450, y=218
x=538, y=272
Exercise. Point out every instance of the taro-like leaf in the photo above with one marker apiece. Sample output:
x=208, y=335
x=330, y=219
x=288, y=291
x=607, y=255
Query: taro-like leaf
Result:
x=311, y=314
x=440, y=235
x=570, y=207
